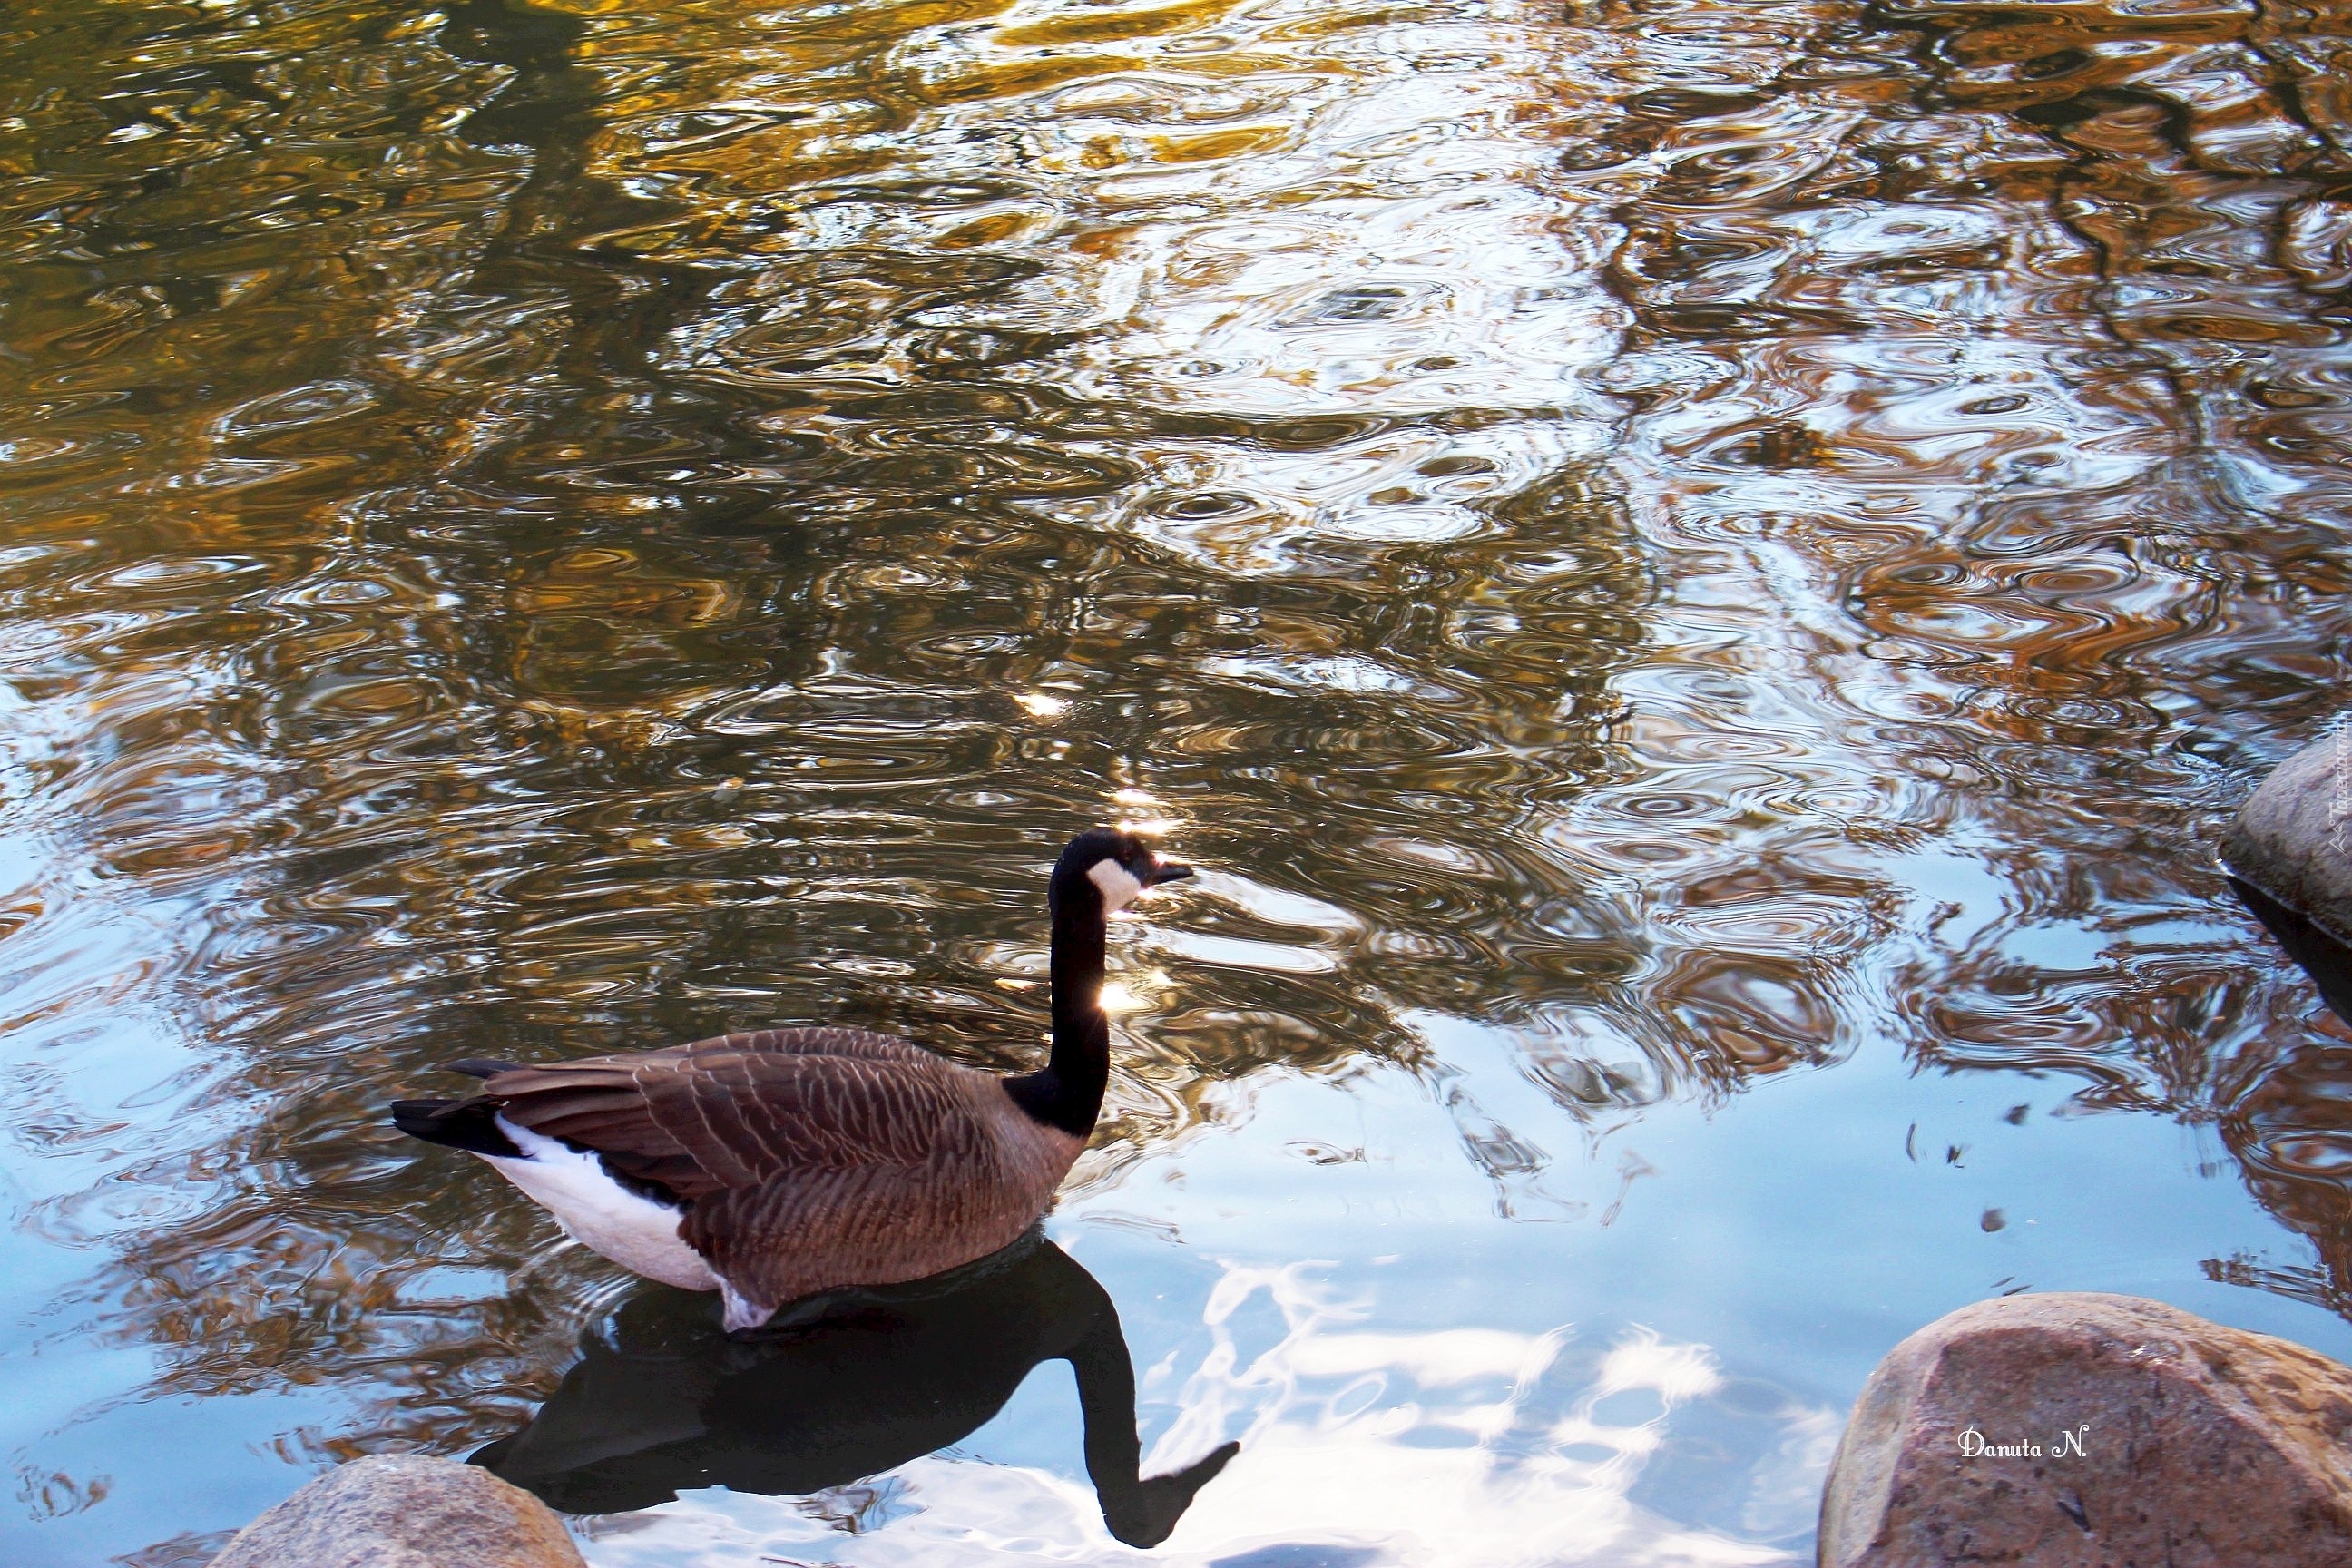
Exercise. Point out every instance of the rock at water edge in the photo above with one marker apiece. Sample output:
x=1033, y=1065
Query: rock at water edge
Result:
x=2292, y=839
x=404, y=1510
x=2094, y=1431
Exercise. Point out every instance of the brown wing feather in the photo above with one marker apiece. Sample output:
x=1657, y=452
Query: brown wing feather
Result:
x=823, y=1043
x=743, y=1110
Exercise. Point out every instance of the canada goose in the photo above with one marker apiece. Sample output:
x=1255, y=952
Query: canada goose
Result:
x=773, y=1165
x=661, y=1401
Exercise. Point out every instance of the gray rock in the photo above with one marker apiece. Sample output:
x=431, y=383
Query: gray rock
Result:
x=2292, y=841
x=404, y=1510
x=2094, y=1431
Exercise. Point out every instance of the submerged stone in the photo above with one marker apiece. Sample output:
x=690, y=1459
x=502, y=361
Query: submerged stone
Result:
x=2094, y=1431
x=404, y=1510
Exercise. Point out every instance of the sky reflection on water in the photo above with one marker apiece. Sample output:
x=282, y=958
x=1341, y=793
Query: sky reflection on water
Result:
x=1697, y=580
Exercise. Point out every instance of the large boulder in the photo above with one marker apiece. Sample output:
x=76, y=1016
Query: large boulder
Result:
x=2293, y=838
x=2074, y=1430
x=404, y=1510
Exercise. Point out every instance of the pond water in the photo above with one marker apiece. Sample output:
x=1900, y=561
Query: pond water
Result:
x=1698, y=579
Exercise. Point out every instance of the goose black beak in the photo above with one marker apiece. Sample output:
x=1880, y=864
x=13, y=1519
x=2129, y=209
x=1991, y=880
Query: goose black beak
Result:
x=1167, y=871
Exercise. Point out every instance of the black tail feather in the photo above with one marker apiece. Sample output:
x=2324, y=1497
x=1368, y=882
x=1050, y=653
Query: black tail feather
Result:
x=468, y=1124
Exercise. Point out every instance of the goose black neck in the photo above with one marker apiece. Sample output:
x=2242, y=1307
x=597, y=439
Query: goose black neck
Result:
x=1069, y=1093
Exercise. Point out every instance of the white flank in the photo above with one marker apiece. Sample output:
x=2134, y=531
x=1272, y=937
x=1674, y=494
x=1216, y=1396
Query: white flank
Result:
x=1119, y=884
x=600, y=1214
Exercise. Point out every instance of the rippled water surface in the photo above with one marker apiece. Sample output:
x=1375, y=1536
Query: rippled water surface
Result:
x=1698, y=578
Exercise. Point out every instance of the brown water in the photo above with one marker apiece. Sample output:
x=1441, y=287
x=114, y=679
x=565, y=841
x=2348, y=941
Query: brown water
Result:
x=1698, y=578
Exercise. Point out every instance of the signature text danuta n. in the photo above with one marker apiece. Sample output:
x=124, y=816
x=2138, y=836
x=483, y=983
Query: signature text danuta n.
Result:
x=1973, y=1446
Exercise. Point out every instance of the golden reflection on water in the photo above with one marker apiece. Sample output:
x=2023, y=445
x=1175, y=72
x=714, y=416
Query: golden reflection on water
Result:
x=1702, y=538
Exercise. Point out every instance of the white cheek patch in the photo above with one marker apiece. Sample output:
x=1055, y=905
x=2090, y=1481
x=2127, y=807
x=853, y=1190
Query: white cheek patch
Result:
x=1118, y=885
x=600, y=1214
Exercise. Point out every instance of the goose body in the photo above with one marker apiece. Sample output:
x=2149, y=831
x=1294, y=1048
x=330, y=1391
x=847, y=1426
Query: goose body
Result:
x=777, y=1165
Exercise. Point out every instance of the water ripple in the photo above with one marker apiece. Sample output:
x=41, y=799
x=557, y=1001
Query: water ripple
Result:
x=1707, y=544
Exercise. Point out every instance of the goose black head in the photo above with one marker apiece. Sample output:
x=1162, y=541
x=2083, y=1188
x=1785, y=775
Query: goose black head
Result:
x=1114, y=864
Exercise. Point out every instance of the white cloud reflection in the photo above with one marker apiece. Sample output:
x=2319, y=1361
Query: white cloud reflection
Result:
x=1465, y=1447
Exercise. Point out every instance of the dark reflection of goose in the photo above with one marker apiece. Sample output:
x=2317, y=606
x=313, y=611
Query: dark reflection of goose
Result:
x=663, y=1399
